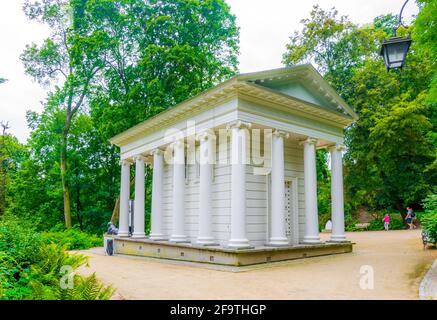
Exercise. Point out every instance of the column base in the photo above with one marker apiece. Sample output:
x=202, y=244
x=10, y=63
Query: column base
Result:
x=157, y=237
x=311, y=240
x=138, y=235
x=178, y=239
x=239, y=244
x=278, y=242
x=338, y=238
x=123, y=233
x=206, y=241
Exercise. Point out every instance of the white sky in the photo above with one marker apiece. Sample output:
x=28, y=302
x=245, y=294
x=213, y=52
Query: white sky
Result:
x=265, y=27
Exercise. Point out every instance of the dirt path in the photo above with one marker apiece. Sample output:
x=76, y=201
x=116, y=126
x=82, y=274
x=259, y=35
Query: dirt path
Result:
x=397, y=258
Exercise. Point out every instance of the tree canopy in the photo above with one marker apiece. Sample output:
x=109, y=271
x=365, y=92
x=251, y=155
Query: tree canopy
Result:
x=390, y=149
x=109, y=65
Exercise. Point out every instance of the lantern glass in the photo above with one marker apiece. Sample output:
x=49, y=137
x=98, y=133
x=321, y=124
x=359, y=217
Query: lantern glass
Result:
x=394, y=51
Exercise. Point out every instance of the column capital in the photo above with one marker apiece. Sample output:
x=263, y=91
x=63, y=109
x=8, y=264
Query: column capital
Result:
x=239, y=124
x=125, y=162
x=337, y=147
x=309, y=140
x=280, y=133
x=139, y=157
x=206, y=135
x=156, y=151
x=178, y=143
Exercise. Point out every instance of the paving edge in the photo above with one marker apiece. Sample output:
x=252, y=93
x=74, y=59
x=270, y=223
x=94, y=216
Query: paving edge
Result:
x=428, y=285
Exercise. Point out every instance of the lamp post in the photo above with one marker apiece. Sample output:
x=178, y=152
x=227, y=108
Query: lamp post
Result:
x=394, y=50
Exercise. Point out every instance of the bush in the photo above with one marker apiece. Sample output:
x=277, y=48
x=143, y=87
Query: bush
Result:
x=396, y=222
x=430, y=203
x=429, y=218
x=350, y=222
x=72, y=239
x=31, y=265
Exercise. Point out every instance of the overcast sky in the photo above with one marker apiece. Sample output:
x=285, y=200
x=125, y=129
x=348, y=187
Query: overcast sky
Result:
x=265, y=26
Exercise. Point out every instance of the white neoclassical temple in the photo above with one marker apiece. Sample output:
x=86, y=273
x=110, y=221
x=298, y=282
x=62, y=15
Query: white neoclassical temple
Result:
x=234, y=172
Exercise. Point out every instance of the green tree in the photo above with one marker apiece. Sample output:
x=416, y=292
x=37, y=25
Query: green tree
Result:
x=143, y=57
x=164, y=52
x=425, y=33
x=401, y=151
x=11, y=153
x=72, y=55
x=347, y=56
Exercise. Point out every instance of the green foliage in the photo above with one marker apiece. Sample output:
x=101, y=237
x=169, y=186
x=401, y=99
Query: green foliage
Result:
x=391, y=156
x=119, y=62
x=72, y=239
x=425, y=34
x=430, y=203
x=30, y=268
x=429, y=218
x=11, y=154
x=396, y=222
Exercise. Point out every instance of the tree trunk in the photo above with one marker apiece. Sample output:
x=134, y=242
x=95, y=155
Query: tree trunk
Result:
x=116, y=212
x=65, y=189
x=403, y=212
x=78, y=208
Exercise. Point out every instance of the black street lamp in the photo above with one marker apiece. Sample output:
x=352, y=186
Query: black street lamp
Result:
x=394, y=50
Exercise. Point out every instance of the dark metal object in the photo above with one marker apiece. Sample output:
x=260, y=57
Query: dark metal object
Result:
x=109, y=247
x=394, y=50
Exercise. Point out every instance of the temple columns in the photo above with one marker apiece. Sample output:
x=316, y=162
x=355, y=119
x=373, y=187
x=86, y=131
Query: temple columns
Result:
x=310, y=176
x=178, y=229
x=337, y=199
x=156, y=232
x=123, y=227
x=206, y=159
x=277, y=233
x=139, y=198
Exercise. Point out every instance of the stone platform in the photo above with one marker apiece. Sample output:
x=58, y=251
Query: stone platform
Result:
x=224, y=256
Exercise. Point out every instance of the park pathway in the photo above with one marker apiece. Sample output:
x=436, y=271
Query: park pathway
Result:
x=397, y=259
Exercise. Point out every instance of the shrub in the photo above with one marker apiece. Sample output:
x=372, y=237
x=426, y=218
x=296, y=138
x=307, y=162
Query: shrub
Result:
x=396, y=222
x=72, y=239
x=430, y=203
x=19, y=241
x=350, y=222
x=429, y=218
x=31, y=265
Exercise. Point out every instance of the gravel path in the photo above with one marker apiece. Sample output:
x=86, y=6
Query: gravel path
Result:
x=397, y=259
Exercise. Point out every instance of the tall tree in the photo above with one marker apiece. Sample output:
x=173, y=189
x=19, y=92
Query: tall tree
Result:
x=115, y=63
x=11, y=153
x=73, y=55
x=164, y=52
x=347, y=55
x=425, y=34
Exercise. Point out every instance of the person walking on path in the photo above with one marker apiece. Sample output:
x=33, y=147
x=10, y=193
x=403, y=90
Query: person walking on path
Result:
x=410, y=217
x=386, y=221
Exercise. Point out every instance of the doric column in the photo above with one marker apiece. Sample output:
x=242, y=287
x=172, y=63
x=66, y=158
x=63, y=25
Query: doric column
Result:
x=178, y=232
x=337, y=200
x=139, y=198
x=157, y=191
x=123, y=227
x=277, y=233
x=310, y=176
x=206, y=159
x=238, y=187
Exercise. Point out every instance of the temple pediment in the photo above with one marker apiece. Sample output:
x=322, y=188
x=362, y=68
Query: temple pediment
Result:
x=302, y=82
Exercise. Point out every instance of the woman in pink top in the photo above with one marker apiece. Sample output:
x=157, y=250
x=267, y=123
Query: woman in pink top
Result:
x=386, y=220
